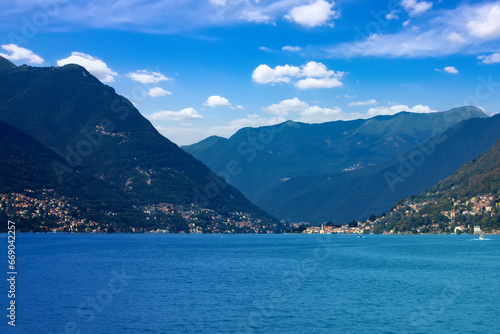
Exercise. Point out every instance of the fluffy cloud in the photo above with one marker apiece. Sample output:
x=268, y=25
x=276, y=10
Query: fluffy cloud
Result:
x=303, y=112
x=486, y=24
x=316, y=114
x=447, y=69
x=184, y=114
x=310, y=75
x=415, y=7
x=289, y=48
x=451, y=69
x=263, y=74
x=392, y=15
x=217, y=101
x=491, y=59
x=19, y=53
x=94, y=65
x=363, y=103
x=397, y=109
x=317, y=13
x=146, y=77
x=158, y=91
x=286, y=107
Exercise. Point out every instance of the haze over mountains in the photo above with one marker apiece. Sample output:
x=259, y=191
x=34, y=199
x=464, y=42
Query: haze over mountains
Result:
x=330, y=171
x=82, y=126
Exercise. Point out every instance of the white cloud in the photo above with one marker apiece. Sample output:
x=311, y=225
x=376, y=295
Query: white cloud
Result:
x=302, y=112
x=317, y=13
x=94, y=65
x=239, y=107
x=189, y=135
x=316, y=75
x=316, y=114
x=363, y=103
x=447, y=69
x=158, y=91
x=487, y=23
x=165, y=115
x=491, y=59
x=286, y=107
x=217, y=101
x=316, y=70
x=392, y=15
x=310, y=83
x=392, y=110
x=145, y=77
x=456, y=37
x=451, y=69
x=255, y=16
x=263, y=74
x=289, y=48
x=415, y=7
x=467, y=29
x=265, y=49
x=19, y=53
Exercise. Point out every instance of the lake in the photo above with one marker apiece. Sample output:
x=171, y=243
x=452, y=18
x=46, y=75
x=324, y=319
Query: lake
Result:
x=130, y=283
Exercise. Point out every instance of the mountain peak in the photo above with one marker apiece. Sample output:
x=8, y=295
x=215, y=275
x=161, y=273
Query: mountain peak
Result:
x=468, y=111
x=6, y=64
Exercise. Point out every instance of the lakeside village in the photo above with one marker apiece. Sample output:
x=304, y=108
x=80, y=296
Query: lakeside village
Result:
x=474, y=215
x=45, y=211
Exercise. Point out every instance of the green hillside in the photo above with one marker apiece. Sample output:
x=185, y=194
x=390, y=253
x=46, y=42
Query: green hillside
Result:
x=469, y=197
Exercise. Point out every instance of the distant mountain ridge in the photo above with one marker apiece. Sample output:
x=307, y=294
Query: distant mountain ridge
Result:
x=269, y=155
x=270, y=159
x=101, y=133
x=356, y=195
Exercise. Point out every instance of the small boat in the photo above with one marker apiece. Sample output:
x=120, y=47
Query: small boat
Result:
x=481, y=237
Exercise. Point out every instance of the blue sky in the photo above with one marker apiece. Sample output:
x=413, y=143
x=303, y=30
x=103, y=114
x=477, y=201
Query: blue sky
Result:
x=197, y=68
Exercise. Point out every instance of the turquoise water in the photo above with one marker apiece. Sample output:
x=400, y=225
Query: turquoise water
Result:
x=126, y=283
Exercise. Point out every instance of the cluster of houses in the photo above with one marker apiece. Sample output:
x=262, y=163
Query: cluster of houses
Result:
x=203, y=220
x=361, y=228
x=54, y=213
x=461, y=214
x=43, y=206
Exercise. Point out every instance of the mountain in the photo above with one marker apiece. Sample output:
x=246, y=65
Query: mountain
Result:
x=341, y=197
x=26, y=164
x=470, y=196
x=5, y=64
x=101, y=133
x=268, y=156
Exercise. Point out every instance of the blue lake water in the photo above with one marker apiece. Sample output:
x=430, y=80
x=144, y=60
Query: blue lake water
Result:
x=124, y=283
